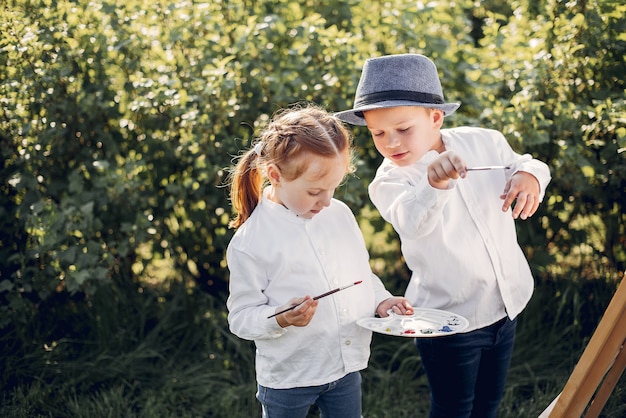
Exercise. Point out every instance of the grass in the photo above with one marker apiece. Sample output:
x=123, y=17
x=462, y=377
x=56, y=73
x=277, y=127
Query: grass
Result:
x=130, y=354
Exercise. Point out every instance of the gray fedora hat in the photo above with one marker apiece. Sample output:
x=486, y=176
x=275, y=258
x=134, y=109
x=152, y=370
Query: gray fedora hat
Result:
x=397, y=80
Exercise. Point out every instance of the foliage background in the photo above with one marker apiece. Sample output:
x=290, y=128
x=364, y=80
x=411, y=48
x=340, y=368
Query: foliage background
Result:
x=120, y=120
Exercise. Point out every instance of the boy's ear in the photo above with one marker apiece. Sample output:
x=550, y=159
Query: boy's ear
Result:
x=437, y=116
x=273, y=174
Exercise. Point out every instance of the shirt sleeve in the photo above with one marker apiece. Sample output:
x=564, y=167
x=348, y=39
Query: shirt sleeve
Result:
x=406, y=200
x=380, y=292
x=247, y=304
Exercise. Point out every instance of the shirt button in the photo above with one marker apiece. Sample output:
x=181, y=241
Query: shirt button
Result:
x=348, y=342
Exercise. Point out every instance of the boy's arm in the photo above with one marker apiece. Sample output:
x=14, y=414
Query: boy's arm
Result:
x=406, y=200
x=538, y=169
x=523, y=188
x=526, y=187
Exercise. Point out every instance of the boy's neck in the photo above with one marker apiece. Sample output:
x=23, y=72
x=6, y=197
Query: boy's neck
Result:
x=440, y=146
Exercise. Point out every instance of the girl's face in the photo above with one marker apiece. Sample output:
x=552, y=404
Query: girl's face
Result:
x=311, y=192
x=405, y=133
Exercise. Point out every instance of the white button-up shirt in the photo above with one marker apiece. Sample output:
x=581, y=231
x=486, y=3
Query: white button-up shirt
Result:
x=275, y=256
x=461, y=248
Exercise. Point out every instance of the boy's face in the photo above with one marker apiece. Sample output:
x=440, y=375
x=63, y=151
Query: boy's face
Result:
x=405, y=133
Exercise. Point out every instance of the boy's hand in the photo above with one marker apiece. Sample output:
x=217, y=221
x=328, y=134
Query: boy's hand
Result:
x=449, y=165
x=400, y=305
x=524, y=188
x=301, y=315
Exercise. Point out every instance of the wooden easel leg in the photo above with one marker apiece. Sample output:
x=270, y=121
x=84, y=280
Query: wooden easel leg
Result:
x=602, y=360
x=605, y=390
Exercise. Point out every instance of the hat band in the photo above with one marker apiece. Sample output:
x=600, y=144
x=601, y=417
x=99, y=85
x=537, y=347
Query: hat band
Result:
x=411, y=96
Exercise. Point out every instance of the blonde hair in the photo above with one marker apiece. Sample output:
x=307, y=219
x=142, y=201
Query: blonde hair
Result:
x=292, y=133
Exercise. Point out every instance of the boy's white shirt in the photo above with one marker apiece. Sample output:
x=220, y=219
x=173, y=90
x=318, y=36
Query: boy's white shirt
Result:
x=461, y=248
x=275, y=256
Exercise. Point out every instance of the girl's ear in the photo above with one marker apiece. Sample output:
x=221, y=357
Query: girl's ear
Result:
x=273, y=174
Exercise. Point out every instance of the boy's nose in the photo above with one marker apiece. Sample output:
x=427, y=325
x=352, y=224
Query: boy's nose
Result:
x=393, y=141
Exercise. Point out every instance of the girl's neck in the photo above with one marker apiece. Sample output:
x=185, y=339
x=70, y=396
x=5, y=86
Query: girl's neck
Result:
x=270, y=194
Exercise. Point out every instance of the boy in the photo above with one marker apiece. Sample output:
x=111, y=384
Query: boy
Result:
x=456, y=225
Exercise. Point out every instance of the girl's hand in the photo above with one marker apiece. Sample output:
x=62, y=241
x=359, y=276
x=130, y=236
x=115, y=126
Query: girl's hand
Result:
x=400, y=305
x=301, y=315
x=449, y=165
x=524, y=189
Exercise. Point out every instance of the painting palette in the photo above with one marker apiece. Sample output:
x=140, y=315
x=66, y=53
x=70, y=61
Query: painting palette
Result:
x=424, y=323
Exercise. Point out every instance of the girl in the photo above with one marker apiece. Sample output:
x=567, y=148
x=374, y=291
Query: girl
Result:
x=294, y=239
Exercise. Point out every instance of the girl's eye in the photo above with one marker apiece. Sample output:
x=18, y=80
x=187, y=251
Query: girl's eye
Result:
x=404, y=130
x=377, y=134
x=314, y=193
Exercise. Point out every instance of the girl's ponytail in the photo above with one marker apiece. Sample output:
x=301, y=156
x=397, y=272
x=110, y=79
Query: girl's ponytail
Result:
x=246, y=186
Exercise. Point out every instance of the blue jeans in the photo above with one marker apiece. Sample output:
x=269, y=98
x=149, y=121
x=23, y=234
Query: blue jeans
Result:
x=467, y=372
x=338, y=399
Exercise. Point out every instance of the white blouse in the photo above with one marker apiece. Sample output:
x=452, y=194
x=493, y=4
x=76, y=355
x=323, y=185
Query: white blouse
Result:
x=461, y=248
x=275, y=256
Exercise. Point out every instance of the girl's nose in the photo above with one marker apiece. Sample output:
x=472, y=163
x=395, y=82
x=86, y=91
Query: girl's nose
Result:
x=326, y=198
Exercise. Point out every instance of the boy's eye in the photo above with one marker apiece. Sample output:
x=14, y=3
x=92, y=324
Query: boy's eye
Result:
x=403, y=129
x=314, y=193
x=377, y=134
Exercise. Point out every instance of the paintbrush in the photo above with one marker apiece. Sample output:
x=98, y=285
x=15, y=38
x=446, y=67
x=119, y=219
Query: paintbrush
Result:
x=489, y=167
x=323, y=295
